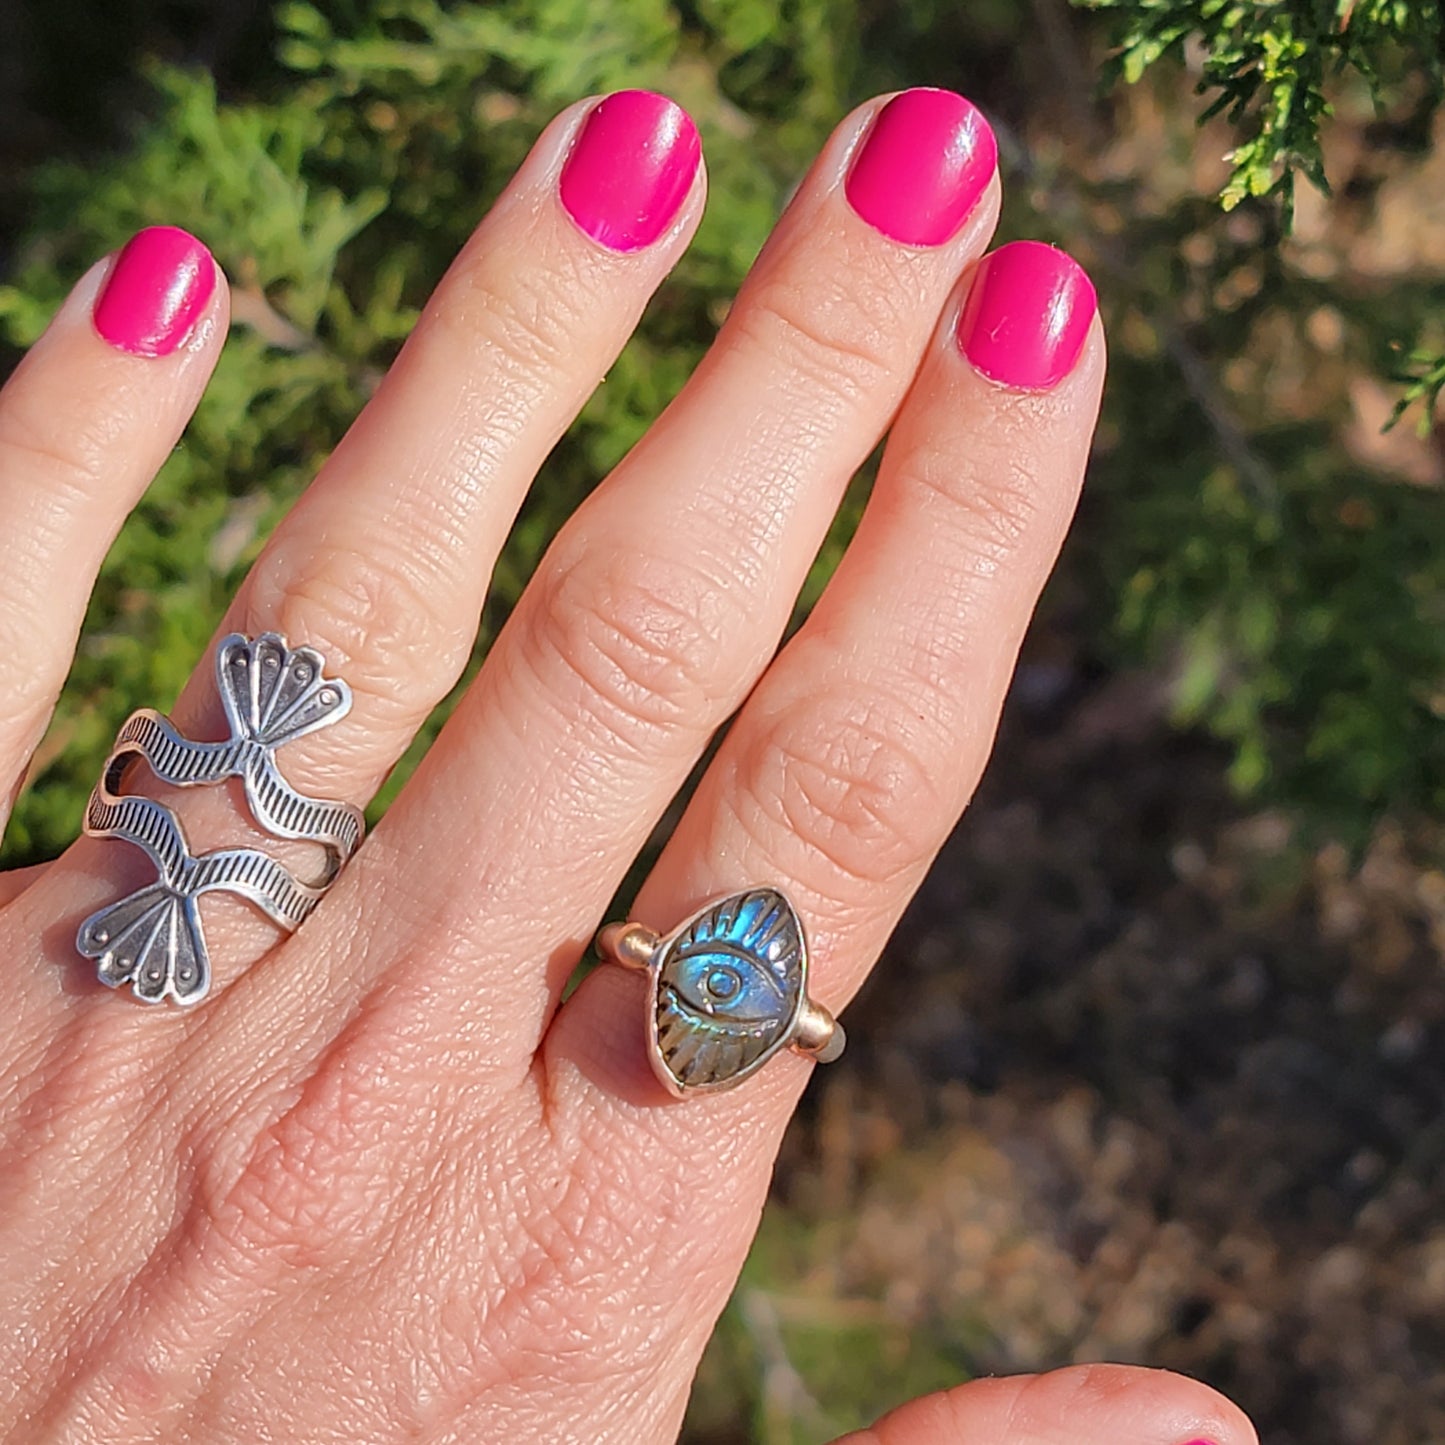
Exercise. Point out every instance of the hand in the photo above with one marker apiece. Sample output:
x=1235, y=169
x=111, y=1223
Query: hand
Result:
x=382, y=1185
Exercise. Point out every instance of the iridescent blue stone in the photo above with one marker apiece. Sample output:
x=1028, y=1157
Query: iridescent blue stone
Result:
x=729, y=987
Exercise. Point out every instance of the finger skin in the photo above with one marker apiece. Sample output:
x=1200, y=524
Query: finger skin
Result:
x=385, y=562
x=84, y=427
x=14, y=882
x=856, y=754
x=1084, y=1405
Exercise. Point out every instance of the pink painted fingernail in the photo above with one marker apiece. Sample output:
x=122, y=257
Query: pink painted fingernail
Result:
x=1026, y=318
x=925, y=162
x=630, y=169
x=156, y=291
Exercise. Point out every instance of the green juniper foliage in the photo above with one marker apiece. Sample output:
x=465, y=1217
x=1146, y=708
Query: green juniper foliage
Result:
x=334, y=209
x=1422, y=374
x=1268, y=63
x=1294, y=596
x=1304, y=596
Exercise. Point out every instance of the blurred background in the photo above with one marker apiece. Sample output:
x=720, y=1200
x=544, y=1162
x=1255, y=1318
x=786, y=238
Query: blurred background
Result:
x=1153, y=1070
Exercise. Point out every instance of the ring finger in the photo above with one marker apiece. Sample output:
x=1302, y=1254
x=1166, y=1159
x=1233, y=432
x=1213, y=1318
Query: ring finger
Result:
x=854, y=756
x=857, y=752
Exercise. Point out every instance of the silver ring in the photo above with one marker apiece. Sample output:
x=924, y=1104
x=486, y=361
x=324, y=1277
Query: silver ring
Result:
x=152, y=939
x=728, y=991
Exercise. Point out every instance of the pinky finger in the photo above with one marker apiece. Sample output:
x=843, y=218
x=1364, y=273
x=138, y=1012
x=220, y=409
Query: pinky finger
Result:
x=1084, y=1405
x=86, y=420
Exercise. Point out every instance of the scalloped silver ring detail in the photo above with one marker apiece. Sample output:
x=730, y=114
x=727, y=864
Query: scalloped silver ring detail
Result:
x=152, y=939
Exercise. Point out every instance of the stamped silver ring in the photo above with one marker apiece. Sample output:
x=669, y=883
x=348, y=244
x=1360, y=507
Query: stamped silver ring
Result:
x=728, y=991
x=152, y=939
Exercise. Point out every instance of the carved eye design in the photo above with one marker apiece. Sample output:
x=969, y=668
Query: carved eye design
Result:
x=729, y=986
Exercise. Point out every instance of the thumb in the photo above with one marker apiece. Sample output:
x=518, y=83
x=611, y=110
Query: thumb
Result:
x=1084, y=1405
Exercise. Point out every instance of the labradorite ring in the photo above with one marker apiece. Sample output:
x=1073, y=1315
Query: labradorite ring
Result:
x=728, y=991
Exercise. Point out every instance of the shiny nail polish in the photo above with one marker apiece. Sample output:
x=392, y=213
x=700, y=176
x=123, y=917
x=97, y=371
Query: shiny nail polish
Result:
x=1027, y=316
x=631, y=169
x=156, y=291
x=927, y=158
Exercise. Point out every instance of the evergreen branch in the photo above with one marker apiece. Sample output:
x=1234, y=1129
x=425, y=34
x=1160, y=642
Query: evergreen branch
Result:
x=1114, y=257
x=1267, y=64
x=1423, y=377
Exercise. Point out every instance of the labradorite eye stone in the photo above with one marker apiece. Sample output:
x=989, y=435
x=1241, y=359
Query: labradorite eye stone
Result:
x=729, y=988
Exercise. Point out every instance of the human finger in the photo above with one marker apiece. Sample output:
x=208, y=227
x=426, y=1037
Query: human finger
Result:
x=15, y=881
x=86, y=420
x=848, y=764
x=663, y=598
x=383, y=564
x=1082, y=1405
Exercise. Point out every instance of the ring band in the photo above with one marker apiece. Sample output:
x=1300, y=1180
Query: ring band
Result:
x=274, y=803
x=152, y=938
x=729, y=990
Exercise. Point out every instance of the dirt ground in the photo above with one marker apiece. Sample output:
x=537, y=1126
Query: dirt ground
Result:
x=1181, y=1101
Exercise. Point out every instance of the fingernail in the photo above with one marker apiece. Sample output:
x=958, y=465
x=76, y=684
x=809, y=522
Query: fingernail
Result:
x=1026, y=318
x=926, y=160
x=630, y=169
x=156, y=291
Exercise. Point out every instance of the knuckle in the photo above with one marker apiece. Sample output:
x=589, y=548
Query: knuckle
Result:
x=599, y=1215
x=642, y=643
x=846, y=778
x=33, y=673
x=62, y=1086
x=531, y=323
x=606, y=1203
x=839, y=341
x=375, y=617
x=62, y=459
x=59, y=467
x=992, y=511
x=32, y=683
x=59, y=454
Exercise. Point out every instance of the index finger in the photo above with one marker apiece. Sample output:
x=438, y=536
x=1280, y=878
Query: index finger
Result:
x=86, y=420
